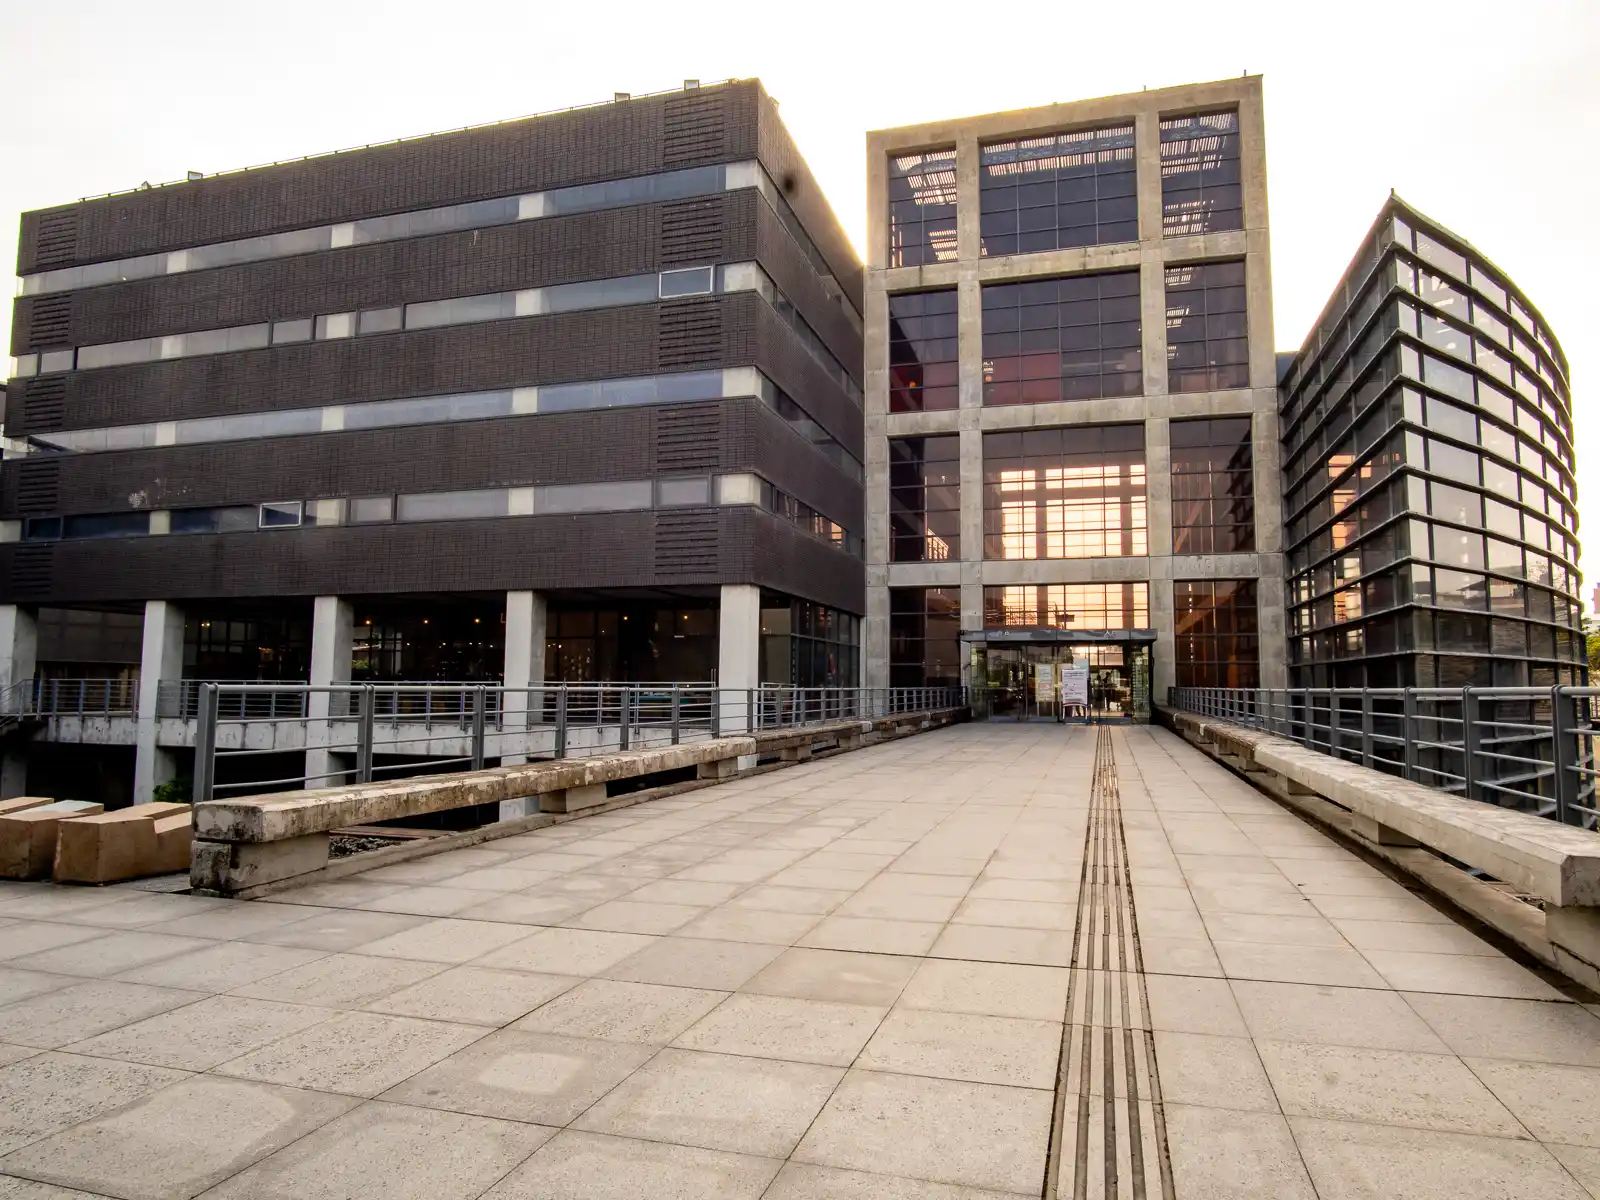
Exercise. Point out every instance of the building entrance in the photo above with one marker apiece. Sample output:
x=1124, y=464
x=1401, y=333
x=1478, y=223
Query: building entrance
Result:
x=1023, y=681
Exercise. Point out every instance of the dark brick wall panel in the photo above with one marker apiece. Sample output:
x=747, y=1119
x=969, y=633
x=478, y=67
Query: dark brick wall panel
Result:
x=611, y=141
x=542, y=553
x=556, y=448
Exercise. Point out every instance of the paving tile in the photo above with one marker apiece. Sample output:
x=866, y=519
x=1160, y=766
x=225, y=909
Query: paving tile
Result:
x=537, y=1077
x=498, y=879
x=1015, y=914
x=624, y=1012
x=340, y=980
x=425, y=901
x=984, y=943
x=1494, y=1027
x=529, y=908
x=52, y=903
x=92, y=1006
x=972, y=1134
x=873, y=936
x=1187, y=1004
x=33, y=937
x=992, y=989
x=978, y=1049
x=824, y=878
x=911, y=883
x=474, y=995
x=341, y=893
x=684, y=891
x=1416, y=936
x=1296, y=964
x=1555, y=1103
x=1392, y=1087
x=19, y=985
x=567, y=951
x=1352, y=1161
x=1278, y=931
x=734, y=924
x=1170, y=922
x=356, y=1054
x=12, y=1188
x=199, y=1036
x=1460, y=974
x=630, y=916
x=1179, y=956
x=110, y=954
x=177, y=1141
x=805, y=1181
x=238, y=919
x=1379, y=908
x=221, y=966
x=334, y=930
x=695, y=963
x=134, y=909
x=1580, y=1161
x=598, y=1167
x=48, y=1092
x=716, y=1101
x=445, y=941
x=1333, y=1016
x=873, y=901
x=390, y=1152
x=844, y=976
x=812, y=1031
x=1212, y=1072
x=1220, y=1154
x=10, y=1054
x=1042, y=890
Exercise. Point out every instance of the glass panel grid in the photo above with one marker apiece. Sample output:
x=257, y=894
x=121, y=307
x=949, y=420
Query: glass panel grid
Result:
x=922, y=208
x=1077, y=338
x=923, y=358
x=1200, y=177
x=1065, y=493
x=1075, y=607
x=1059, y=190
x=1213, y=486
x=1207, y=328
x=925, y=499
x=1215, y=623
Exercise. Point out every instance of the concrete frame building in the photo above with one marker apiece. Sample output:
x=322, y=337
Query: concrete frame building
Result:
x=1151, y=190
x=575, y=396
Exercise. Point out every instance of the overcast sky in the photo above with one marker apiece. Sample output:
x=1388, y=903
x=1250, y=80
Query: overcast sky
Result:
x=1485, y=116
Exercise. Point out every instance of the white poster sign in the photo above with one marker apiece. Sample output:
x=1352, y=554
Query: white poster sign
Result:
x=1044, y=682
x=1075, y=685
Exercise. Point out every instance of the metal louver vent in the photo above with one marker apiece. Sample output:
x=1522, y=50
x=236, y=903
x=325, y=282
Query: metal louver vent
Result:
x=690, y=334
x=691, y=232
x=38, y=486
x=44, y=405
x=687, y=439
x=32, y=569
x=696, y=131
x=686, y=545
x=50, y=323
x=57, y=239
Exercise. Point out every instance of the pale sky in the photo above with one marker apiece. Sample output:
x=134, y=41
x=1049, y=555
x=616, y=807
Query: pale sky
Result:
x=1483, y=115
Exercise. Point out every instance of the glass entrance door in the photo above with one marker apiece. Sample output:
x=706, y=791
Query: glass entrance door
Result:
x=1013, y=689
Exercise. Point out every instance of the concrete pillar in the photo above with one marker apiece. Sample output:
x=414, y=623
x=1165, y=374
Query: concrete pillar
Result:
x=160, y=659
x=738, y=651
x=332, y=636
x=1158, y=485
x=19, y=645
x=1163, y=668
x=526, y=622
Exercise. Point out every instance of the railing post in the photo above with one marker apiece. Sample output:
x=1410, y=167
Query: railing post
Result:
x=479, y=695
x=1366, y=727
x=1409, y=732
x=676, y=732
x=716, y=711
x=561, y=721
x=749, y=710
x=1305, y=717
x=624, y=717
x=1568, y=782
x=1333, y=722
x=366, y=716
x=205, y=743
x=1469, y=744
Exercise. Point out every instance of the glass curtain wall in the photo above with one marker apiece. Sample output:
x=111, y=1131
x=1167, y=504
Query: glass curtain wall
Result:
x=924, y=637
x=1076, y=492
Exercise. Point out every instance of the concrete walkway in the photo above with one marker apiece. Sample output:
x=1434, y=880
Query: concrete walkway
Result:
x=848, y=979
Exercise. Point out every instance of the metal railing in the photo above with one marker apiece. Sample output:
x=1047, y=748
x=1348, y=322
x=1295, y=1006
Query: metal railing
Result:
x=422, y=728
x=1530, y=749
x=71, y=697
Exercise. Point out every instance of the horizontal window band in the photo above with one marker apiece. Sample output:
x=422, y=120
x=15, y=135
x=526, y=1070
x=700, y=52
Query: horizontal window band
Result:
x=662, y=187
x=616, y=292
x=568, y=499
x=676, y=388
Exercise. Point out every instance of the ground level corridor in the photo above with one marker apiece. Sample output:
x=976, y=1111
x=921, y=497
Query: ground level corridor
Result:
x=996, y=960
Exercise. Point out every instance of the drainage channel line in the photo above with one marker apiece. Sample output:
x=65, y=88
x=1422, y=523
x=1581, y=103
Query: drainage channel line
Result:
x=1106, y=995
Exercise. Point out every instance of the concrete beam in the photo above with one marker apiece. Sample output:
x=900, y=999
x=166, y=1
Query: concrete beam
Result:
x=160, y=660
x=332, y=647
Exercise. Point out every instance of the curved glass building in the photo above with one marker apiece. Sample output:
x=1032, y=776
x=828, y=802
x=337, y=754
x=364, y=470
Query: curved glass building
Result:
x=1430, y=510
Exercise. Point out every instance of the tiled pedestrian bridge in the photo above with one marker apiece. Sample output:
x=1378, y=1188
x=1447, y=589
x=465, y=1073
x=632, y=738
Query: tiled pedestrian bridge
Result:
x=991, y=960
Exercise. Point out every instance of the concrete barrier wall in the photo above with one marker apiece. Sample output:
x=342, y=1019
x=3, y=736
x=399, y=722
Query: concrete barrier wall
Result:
x=253, y=844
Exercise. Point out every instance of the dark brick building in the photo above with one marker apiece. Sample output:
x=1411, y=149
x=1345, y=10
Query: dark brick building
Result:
x=580, y=393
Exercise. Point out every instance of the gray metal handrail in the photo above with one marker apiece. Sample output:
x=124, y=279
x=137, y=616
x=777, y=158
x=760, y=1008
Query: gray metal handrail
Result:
x=1531, y=749
x=57, y=697
x=422, y=726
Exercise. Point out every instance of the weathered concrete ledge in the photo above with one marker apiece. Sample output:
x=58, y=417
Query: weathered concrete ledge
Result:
x=1411, y=825
x=247, y=845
